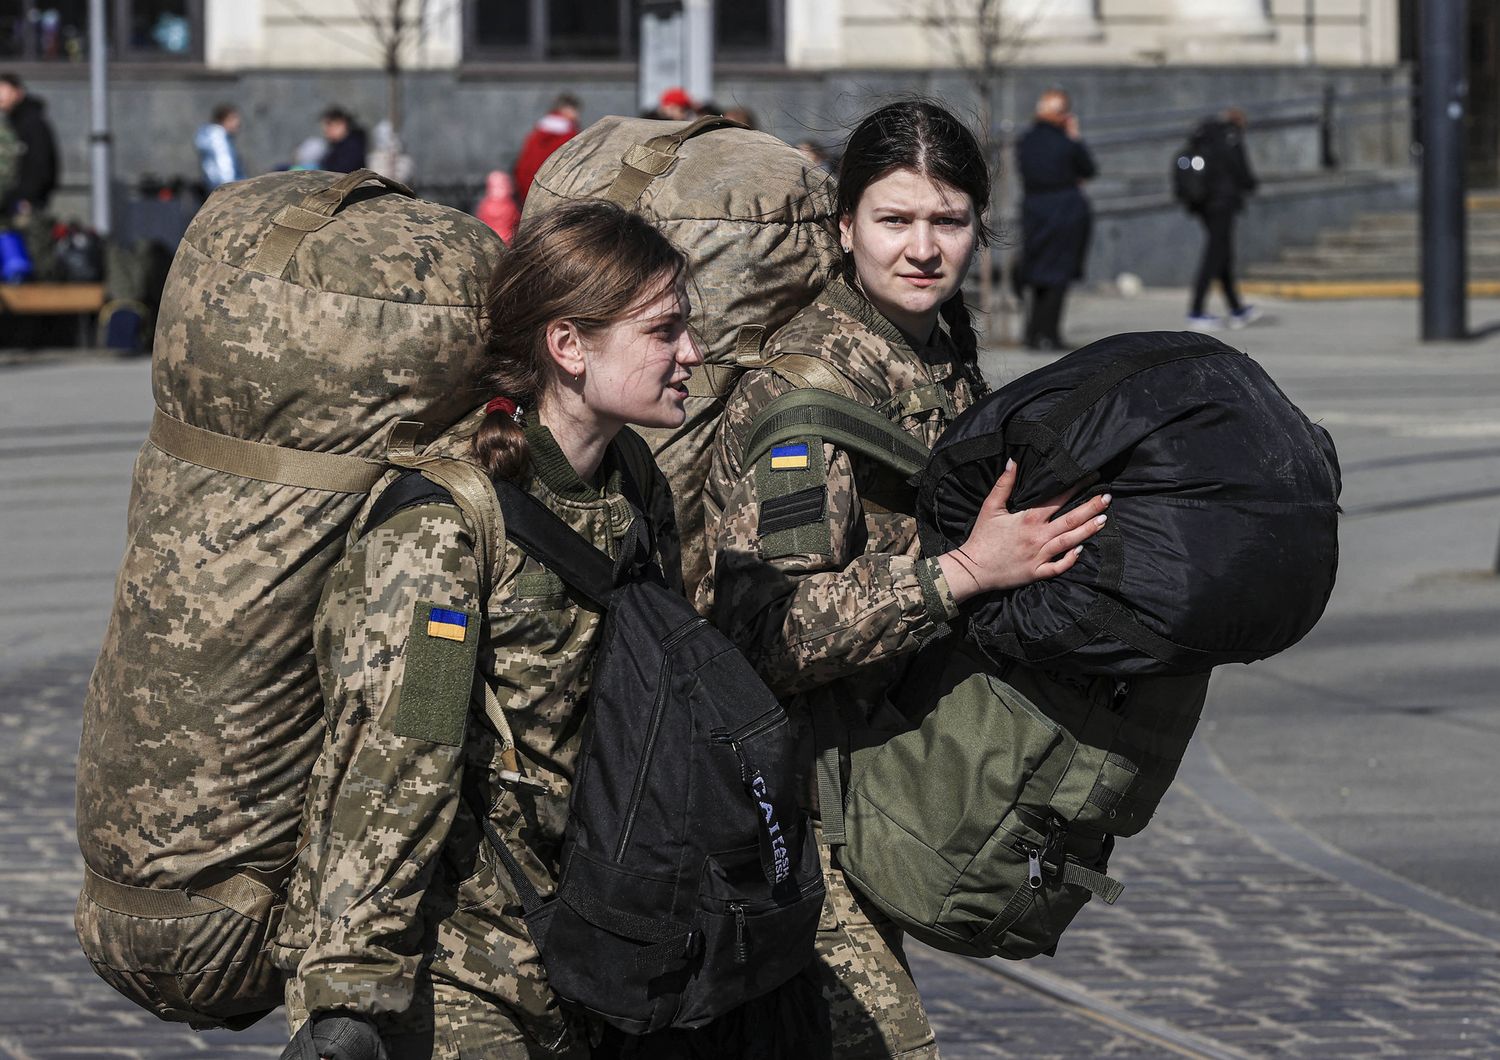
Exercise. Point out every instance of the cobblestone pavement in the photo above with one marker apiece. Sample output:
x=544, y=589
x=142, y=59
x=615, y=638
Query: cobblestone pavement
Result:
x=1221, y=946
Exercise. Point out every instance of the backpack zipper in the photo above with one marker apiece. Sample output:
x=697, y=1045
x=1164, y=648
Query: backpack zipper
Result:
x=741, y=947
x=658, y=708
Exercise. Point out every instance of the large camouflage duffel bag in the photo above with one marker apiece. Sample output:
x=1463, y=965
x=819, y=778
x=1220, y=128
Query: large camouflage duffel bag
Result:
x=304, y=315
x=757, y=224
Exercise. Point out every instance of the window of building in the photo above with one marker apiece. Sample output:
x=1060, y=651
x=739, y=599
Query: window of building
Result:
x=607, y=30
x=58, y=30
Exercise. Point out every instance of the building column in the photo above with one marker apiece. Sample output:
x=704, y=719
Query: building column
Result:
x=814, y=33
x=1055, y=20
x=1221, y=18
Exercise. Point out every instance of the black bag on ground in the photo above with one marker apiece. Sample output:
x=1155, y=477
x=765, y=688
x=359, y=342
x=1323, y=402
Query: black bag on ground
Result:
x=1222, y=539
x=690, y=878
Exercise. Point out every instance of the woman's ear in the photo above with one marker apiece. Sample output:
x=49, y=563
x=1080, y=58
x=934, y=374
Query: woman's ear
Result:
x=846, y=241
x=565, y=347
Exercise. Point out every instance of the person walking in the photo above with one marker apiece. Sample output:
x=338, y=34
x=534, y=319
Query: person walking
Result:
x=348, y=147
x=830, y=596
x=36, y=170
x=1056, y=218
x=1227, y=181
x=552, y=130
x=402, y=936
x=218, y=157
x=498, y=207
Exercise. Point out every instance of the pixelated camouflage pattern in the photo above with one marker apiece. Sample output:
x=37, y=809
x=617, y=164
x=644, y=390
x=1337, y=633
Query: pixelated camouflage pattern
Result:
x=202, y=718
x=398, y=909
x=757, y=224
x=835, y=631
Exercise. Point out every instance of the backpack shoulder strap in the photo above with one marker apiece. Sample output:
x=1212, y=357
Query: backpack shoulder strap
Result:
x=546, y=538
x=846, y=423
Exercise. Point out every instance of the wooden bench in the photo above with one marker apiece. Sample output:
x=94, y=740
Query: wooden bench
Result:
x=80, y=300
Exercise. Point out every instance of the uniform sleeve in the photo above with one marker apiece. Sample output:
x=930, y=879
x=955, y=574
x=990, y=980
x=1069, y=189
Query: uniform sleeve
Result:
x=396, y=638
x=809, y=604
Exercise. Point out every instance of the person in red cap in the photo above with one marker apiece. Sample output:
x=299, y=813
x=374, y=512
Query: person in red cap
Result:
x=552, y=130
x=676, y=105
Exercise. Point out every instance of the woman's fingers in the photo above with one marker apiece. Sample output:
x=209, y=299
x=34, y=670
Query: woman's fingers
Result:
x=1059, y=565
x=999, y=498
x=1075, y=537
x=1089, y=509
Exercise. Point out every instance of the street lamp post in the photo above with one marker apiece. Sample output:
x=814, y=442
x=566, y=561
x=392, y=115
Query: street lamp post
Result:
x=99, y=116
x=1444, y=93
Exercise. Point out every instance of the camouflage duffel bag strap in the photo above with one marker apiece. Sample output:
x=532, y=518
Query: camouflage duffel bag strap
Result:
x=259, y=460
x=645, y=162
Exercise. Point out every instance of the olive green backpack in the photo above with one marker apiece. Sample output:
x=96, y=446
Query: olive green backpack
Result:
x=985, y=826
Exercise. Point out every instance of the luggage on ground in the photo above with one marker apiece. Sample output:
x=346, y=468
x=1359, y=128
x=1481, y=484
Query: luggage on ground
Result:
x=756, y=221
x=305, y=314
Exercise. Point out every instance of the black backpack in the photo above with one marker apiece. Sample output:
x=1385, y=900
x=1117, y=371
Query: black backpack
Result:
x=1190, y=171
x=690, y=878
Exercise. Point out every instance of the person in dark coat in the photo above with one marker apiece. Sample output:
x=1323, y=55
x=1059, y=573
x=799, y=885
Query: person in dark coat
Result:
x=1056, y=218
x=1228, y=180
x=347, y=145
x=36, y=177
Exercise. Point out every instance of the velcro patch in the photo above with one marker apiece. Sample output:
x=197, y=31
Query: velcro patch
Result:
x=793, y=510
x=433, y=701
x=789, y=457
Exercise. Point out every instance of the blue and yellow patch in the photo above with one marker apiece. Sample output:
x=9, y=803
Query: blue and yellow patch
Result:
x=789, y=457
x=449, y=625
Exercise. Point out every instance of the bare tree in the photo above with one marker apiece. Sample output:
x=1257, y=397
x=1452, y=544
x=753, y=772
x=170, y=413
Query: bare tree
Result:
x=986, y=37
x=396, y=29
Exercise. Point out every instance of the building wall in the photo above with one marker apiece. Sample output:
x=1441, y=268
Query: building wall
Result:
x=926, y=33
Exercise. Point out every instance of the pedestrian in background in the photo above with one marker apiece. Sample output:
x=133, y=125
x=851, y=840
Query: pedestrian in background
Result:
x=498, y=208
x=36, y=171
x=552, y=130
x=1227, y=180
x=1056, y=218
x=676, y=105
x=347, y=145
x=218, y=157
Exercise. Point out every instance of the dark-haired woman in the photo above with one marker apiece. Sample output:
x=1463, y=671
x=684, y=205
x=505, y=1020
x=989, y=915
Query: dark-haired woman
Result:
x=829, y=598
x=400, y=933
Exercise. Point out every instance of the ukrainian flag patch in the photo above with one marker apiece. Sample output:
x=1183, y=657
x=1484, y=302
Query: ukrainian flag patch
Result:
x=789, y=457
x=449, y=625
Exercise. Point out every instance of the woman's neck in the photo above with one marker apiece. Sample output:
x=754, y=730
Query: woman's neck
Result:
x=581, y=436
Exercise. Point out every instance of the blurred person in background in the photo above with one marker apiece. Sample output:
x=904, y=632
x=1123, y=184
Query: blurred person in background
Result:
x=498, y=208
x=676, y=105
x=36, y=170
x=218, y=158
x=1056, y=218
x=552, y=130
x=347, y=146
x=1228, y=181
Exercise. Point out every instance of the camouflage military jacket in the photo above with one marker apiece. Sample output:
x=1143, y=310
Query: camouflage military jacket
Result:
x=831, y=608
x=395, y=873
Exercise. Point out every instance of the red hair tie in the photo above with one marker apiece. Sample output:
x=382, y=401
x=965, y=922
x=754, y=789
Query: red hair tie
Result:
x=505, y=405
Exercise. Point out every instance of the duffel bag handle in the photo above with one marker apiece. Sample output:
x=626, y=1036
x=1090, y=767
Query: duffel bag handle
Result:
x=293, y=221
x=643, y=163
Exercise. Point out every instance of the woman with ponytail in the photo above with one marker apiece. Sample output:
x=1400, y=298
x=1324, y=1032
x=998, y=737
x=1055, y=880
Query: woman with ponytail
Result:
x=816, y=570
x=402, y=936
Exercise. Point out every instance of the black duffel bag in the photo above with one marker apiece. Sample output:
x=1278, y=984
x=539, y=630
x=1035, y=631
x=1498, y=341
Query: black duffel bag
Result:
x=1222, y=539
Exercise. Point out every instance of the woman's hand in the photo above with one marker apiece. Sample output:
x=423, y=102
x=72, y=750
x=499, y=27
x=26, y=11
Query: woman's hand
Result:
x=1007, y=550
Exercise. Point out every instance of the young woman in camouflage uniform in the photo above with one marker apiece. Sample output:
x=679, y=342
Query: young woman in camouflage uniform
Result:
x=401, y=921
x=831, y=610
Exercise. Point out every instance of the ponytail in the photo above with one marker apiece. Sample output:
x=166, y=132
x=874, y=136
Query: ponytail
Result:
x=500, y=444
